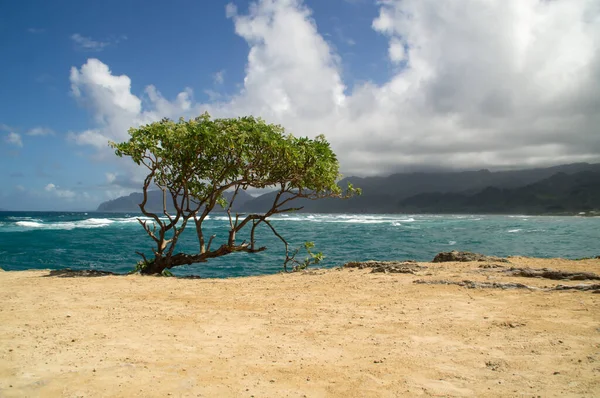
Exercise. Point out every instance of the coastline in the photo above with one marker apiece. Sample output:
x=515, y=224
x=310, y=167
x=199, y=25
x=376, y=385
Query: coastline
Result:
x=323, y=332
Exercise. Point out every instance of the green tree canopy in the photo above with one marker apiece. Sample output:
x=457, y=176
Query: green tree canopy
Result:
x=195, y=161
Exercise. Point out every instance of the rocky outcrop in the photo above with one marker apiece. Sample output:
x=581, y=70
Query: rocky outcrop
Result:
x=476, y=285
x=552, y=274
x=397, y=267
x=73, y=273
x=464, y=257
x=594, y=288
x=584, y=288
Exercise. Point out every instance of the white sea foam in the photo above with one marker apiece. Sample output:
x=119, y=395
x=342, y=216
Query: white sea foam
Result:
x=96, y=221
x=345, y=218
x=29, y=224
x=67, y=225
x=13, y=218
x=451, y=242
x=514, y=230
x=363, y=221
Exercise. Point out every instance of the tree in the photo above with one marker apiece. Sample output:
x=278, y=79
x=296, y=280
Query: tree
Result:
x=195, y=161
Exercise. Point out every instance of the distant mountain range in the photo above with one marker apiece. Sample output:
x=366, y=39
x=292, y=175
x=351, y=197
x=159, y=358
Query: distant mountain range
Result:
x=564, y=189
x=559, y=194
x=130, y=203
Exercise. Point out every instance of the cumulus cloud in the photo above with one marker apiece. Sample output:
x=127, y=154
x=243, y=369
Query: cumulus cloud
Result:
x=474, y=83
x=40, y=131
x=14, y=139
x=59, y=192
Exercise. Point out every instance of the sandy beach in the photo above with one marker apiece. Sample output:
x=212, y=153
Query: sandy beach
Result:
x=320, y=333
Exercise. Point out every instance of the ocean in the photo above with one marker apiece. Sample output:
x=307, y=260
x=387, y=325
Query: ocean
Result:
x=108, y=241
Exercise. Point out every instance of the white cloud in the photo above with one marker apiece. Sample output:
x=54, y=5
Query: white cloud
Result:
x=476, y=83
x=36, y=30
x=292, y=74
x=90, y=137
x=213, y=95
x=219, y=77
x=87, y=43
x=230, y=10
x=40, y=131
x=396, y=51
x=116, y=109
x=59, y=192
x=111, y=177
x=14, y=139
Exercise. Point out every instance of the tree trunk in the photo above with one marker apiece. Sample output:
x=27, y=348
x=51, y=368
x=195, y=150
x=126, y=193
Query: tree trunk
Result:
x=156, y=267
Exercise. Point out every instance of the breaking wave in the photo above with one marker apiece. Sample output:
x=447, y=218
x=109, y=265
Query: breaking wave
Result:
x=67, y=225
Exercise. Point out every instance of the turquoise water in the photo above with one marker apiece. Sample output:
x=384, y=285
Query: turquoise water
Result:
x=108, y=241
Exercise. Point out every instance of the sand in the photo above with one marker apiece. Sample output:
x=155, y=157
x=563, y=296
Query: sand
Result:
x=321, y=333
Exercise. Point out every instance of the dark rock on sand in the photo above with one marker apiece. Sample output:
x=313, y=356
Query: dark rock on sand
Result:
x=69, y=273
x=476, y=285
x=398, y=267
x=594, y=288
x=552, y=274
x=464, y=257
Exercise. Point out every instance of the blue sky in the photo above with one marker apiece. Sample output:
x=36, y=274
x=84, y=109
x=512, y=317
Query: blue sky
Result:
x=394, y=85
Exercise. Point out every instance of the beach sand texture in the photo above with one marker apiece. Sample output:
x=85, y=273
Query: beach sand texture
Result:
x=320, y=333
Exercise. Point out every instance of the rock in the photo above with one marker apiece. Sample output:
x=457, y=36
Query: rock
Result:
x=477, y=285
x=487, y=266
x=595, y=288
x=509, y=324
x=394, y=269
x=495, y=365
x=69, y=273
x=464, y=257
x=398, y=267
x=374, y=264
x=552, y=274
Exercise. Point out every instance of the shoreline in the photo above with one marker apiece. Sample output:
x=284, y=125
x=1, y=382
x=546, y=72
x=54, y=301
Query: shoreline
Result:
x=322, y=332
x=592, y=214
x=80, y=272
